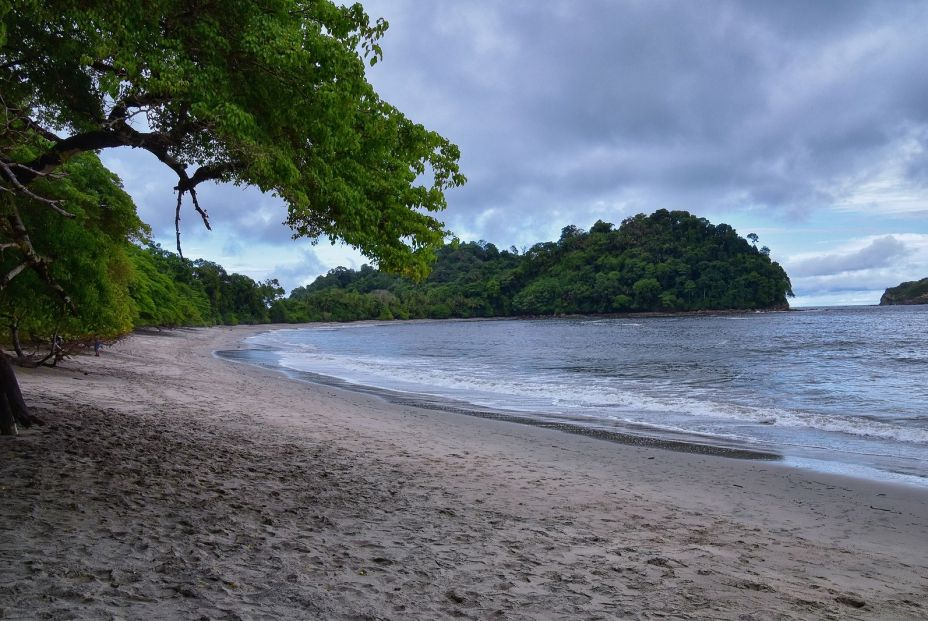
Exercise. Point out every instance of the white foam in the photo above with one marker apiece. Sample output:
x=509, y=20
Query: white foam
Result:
x=557, y=393
x=855, y=470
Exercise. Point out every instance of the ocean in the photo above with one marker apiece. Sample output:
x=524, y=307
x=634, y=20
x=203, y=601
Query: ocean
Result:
x=831, y=389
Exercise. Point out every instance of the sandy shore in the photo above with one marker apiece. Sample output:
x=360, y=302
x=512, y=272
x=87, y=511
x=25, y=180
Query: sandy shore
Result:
x=175, y=485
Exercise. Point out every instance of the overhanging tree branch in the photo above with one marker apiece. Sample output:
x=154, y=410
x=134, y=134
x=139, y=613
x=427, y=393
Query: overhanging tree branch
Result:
x=19, y=187
x=13, y=273
x=208, y=172
x=118, y=134
x=180, y=197
x=66, y=149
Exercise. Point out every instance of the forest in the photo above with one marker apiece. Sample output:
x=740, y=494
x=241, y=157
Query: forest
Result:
x=669, y=261
x=912, y=292
x=116, y=278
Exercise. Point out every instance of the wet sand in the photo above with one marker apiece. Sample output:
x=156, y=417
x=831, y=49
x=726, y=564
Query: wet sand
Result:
x=173, y=484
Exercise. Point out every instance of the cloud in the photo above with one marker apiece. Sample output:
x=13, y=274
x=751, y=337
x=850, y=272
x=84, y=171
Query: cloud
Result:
x=300, y=272
x=838, y=298
x=303, y=263
x=565, y=105
x=862, y=269
x=881, y=252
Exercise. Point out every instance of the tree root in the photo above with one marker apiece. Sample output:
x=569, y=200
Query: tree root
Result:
x=13, y=409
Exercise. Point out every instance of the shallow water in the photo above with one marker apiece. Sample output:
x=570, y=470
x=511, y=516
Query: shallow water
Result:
x=837, y=389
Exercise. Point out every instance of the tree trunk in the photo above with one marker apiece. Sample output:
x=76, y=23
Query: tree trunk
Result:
x=7, y=422
x=13, y=408
x=14, y=336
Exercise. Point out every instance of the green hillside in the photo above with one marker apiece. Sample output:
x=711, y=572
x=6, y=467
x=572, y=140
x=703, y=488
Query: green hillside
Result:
x=667, y=261
x=914, y=292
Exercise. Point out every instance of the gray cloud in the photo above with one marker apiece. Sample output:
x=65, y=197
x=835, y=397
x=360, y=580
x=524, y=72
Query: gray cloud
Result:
x=882, y=252
x=871, y=280
x=244, y=212
x=564, y=105
x=685, y=105
x=291, y=275
x=861, y=275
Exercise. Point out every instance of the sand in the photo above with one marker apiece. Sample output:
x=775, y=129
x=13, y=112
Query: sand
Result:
x=171, y=484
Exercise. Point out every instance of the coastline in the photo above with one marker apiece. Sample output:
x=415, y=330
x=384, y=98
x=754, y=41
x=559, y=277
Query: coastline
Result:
x=690, y=445
x=172, y=482
x=752, y=406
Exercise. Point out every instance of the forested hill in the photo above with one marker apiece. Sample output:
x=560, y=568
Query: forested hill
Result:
x=666, y=261
x=914, y=292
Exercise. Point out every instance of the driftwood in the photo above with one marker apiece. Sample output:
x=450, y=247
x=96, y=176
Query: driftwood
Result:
x=50, y=355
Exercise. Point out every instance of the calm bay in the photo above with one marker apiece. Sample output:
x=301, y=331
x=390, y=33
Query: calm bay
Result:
x=830, y=389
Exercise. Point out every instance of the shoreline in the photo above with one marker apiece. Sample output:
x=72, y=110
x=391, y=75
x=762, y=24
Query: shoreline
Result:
x=172, y=483
x=860, y=464
x=464, y=408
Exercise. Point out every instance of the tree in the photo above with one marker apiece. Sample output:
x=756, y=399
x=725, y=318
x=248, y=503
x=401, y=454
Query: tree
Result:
x=266, y=94
x=646, y=291
x=88, y=251
x=269, y=94
x=163, y=297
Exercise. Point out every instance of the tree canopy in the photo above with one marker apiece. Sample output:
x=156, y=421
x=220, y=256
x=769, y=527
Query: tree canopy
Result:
x=88, y=253
x=265, y=93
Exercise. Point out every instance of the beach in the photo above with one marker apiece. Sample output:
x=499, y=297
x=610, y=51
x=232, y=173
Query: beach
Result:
x=170, y=483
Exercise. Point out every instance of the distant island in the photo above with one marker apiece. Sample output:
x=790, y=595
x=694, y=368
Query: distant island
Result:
x=913, y=292
x=668, y=261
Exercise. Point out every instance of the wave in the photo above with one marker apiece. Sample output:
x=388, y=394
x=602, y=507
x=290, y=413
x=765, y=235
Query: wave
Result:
x=550, y=391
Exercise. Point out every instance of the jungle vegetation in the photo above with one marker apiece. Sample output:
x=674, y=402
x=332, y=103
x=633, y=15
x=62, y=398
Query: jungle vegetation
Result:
x=668, y=261
x=912, y=292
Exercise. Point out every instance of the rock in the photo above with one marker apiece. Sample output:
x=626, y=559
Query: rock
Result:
x=454, y=597
x=750, y=585
x=914, y=292
x=851, y=600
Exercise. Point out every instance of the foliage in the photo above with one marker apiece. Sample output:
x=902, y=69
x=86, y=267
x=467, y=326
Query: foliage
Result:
x=172, y=291
x=113, y=284
x=89, y=252
x=913, y=292
x=160, y=298
x=270, y=94
x=668, y=261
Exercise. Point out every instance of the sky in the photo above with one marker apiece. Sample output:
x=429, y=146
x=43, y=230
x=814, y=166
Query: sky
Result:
x=803, y=122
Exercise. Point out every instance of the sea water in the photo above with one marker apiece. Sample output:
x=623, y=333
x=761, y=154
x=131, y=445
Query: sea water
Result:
x=836, y=389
